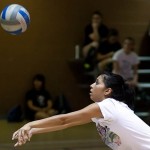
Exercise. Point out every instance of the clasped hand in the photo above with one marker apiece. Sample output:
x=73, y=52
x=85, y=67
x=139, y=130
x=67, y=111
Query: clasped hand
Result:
x=22, y=135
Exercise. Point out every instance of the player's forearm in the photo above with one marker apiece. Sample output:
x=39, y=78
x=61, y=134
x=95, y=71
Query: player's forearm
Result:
x=68, y=120
x=47, y=122
x=45, y=130
x=57, y=127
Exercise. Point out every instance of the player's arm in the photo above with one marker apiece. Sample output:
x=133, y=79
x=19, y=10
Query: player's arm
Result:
x=58, y=122
x=71, y=119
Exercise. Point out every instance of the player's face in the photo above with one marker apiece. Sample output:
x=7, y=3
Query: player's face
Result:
x=98, y=89
x=37, y=84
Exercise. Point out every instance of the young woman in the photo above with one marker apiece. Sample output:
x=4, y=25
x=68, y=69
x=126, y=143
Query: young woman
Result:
x=116, y=123
x=95, y=32
x=38, y=100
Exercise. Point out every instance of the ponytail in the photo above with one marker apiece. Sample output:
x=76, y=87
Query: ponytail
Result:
x=129, y=95
x=120, y=90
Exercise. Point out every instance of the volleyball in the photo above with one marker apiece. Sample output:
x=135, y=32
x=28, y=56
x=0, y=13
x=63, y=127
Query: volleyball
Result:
x=15, y=19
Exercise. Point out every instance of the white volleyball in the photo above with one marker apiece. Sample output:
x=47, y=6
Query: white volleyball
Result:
x=14, y=19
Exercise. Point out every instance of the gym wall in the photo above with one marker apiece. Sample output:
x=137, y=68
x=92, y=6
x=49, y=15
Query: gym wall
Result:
x=48, y=44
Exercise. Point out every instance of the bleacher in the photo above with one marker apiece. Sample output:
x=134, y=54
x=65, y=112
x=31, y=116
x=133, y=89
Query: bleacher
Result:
x=142, y=105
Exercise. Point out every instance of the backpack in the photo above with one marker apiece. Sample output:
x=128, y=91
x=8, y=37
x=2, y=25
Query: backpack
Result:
x=61, y=104
x=15, y=114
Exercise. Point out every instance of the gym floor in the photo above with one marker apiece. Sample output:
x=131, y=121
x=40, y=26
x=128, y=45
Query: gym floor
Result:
x=77, y=138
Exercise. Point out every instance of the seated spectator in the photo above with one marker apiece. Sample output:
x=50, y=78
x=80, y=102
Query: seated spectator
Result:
x=125, y=62
x=95, y=32
x=107, y=49
x=38, y=100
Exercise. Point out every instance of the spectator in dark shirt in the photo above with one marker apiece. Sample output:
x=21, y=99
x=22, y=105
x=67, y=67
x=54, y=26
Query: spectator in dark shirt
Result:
x=38, y=100
x=95, y=32
x=107, y=48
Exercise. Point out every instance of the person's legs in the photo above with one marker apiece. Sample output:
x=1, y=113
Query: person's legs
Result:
x=40, y=115
x=52, y=112
x=90, y=60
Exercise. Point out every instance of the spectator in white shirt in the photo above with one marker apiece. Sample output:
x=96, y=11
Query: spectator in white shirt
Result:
x=125, y=62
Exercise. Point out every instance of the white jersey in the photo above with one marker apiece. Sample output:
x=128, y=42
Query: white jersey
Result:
x=121, y=129
x=126, y=63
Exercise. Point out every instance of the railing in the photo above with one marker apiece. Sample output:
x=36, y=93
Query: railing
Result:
x=142, y=84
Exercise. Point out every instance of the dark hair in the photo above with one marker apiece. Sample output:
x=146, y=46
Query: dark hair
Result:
x=41, y=78
x=97, y=13
x=130, y=39
x=113, y=32
x=120, y=90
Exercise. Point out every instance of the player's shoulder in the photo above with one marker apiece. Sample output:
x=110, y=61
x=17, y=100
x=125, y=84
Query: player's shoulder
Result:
x=107, y=101
x=112, y=105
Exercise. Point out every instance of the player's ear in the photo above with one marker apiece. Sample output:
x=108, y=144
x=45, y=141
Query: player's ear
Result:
x=108, y=91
